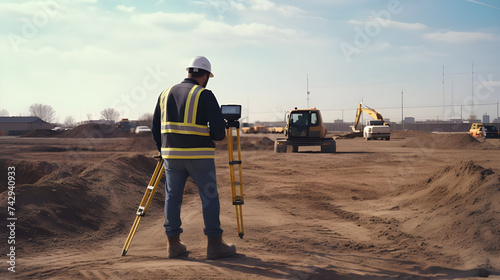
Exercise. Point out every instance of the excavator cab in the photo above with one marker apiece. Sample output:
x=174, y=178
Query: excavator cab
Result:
x=305, y=124
x=305, y=127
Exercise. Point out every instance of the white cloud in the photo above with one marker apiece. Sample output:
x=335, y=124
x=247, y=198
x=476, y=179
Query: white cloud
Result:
x=203, y=27
x=221, y=5
x=380, y=46
x=266, y=5
x=458, y=37
x=487, y=82
x=416, y=52
x=257, y=32
x=221, y=8
x=389, y=23
x=355, y=22
x=29, y=8
x=493, y=83
x=125, y=8
x=166, y=20
x=401, y=25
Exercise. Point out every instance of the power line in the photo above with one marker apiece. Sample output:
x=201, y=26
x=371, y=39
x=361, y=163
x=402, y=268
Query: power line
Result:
x=416, y=107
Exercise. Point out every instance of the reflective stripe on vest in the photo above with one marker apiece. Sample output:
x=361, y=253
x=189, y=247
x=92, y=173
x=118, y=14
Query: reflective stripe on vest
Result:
x=188, y=153
x=194, y=129
x=187, y=127
x=163, y=104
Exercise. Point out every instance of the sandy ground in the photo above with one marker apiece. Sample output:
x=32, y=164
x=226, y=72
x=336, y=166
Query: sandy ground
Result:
x=420, y=206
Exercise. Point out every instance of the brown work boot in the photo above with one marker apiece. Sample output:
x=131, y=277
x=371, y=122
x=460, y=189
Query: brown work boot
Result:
x=175, y=247
x=217, y=248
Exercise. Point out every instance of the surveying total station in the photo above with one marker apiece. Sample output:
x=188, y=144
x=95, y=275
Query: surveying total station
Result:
x=231, y=113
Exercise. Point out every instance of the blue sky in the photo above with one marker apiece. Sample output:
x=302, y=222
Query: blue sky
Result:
x=83, y=56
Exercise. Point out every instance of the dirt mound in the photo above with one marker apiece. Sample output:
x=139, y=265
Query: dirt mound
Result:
x=26, y=172
x=458, y=207
x=95, y=130
x=398, y=134
x=67, y=201
x=446, y=141
x=249, y=143
x=141, y=143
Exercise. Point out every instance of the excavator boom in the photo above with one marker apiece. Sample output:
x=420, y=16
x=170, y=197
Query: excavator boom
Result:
x=371, y=112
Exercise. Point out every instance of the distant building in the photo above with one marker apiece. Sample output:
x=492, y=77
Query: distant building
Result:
x=338, y=121
x=486, y=118
x=21, y=125
x=409, y=120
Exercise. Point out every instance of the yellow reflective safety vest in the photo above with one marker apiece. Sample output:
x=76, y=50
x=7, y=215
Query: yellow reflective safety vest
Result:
x=186, y=138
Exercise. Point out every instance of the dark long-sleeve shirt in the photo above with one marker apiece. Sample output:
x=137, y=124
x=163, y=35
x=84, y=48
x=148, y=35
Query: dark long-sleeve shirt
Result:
x=208, y=113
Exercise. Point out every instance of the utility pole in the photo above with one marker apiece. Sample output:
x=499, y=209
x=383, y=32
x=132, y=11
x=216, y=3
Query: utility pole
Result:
x=472, y=100
x=452, y=100
x=443, y=91
x=402, y=113
x=307, y=81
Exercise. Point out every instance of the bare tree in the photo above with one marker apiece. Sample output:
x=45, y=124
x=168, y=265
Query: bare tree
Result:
x=69, y=121
x=110, y=114
x=4, y=113
x=472, y=118
x=44, y=112
x=146, y=117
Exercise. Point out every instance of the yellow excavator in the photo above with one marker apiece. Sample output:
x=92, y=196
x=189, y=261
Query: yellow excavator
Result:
x=376, y=128
x=305, y=127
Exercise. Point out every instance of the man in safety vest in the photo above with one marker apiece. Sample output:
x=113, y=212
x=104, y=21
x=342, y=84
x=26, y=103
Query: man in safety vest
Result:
x=186, y=120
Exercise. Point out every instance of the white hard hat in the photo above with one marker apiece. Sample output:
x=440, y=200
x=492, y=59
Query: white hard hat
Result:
x=201, y=62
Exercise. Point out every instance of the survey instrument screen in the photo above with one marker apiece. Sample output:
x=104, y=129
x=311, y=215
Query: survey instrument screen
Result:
x=231, y=112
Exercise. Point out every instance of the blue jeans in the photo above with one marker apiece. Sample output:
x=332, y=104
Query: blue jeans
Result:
x=203, y=173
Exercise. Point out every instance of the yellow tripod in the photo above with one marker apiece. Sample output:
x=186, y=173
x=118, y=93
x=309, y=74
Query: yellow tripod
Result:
x=236, y=186
x=146, y=201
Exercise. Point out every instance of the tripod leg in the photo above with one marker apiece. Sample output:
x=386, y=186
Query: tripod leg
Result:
x=237, y=195
x=145, y=202
x=240, y=196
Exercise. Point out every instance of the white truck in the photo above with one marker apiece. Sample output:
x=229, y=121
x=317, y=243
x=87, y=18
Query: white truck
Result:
x=376, y=129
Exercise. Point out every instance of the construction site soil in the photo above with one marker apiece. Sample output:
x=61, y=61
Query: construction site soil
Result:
x=420, y=206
